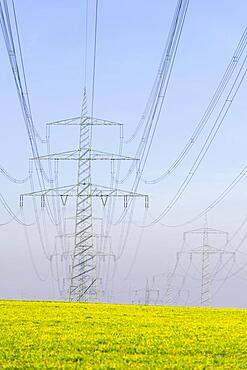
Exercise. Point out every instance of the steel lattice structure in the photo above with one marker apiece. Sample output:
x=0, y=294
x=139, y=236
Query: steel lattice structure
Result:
x=83, y=276
x=83, y=268
x=205, y=250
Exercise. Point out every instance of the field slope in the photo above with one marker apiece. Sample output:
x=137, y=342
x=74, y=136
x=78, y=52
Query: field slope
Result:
x=52, y=335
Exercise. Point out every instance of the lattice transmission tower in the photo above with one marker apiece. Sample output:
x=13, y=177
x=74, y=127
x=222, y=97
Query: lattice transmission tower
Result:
x=204, y=254
x=83, y=271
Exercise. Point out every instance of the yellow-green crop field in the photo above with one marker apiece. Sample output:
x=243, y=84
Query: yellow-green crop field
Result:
x=52, y=335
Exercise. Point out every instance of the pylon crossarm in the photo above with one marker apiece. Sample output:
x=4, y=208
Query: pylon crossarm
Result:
x=71, y=154
x=91, y=121
x=86, y=154
x=69, y=190
x=208, y=251
x=103, y=191
x=72, y=235
x=208, y=230
x=97, y=191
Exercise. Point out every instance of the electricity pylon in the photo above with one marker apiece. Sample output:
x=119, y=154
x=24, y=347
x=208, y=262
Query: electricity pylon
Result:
x=205, y=250
x=103, y=256
x=83, y=279
x=148, y=292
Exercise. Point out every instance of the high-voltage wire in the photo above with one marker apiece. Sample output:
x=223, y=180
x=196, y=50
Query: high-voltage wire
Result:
x=212, y=205
x=240, y=47
x=208, y=112
x=205, y=251
x=111, y=202
x=12, y=178
x=231, y=257
x=138, y=245
x=157, y=103
x=94, y=62
x=229, y=275
x=30, y=251
x=24, y=102
x=152, y=113
x=11, y=213
x=162, y=83
x=115, y=175
x=23, y=70
x=229, y=241
x=167, y=295
x=38, y=223
x=23, y=95
x=182, y=283
x=211, y=136
x=86, y=44
x=55, y=202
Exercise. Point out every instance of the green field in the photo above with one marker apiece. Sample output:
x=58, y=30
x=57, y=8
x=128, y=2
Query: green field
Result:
x=52, y=335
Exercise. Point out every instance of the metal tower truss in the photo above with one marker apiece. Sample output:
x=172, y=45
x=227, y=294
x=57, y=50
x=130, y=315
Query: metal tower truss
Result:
x=99, y=251
x=103, y=254
x=148, y=294
x=97, y=191
x=88, y=154
x=205, y=251
x=90, y=121
x=83, y=279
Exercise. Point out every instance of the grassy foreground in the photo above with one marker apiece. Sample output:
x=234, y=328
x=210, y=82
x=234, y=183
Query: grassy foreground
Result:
x=51, y=335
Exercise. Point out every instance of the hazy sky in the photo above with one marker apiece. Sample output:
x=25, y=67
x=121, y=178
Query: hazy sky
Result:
x=131, y=39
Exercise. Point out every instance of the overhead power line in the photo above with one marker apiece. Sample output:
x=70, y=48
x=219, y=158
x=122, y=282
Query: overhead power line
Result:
x=154, y=111
x=155, y=103
x=208, y=142
x=218, y=200
x=208, y=112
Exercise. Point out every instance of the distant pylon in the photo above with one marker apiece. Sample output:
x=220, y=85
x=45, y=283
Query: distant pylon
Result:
x=205, y=250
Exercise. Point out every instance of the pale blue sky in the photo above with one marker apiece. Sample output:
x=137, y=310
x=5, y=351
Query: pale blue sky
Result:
x=131, y=38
